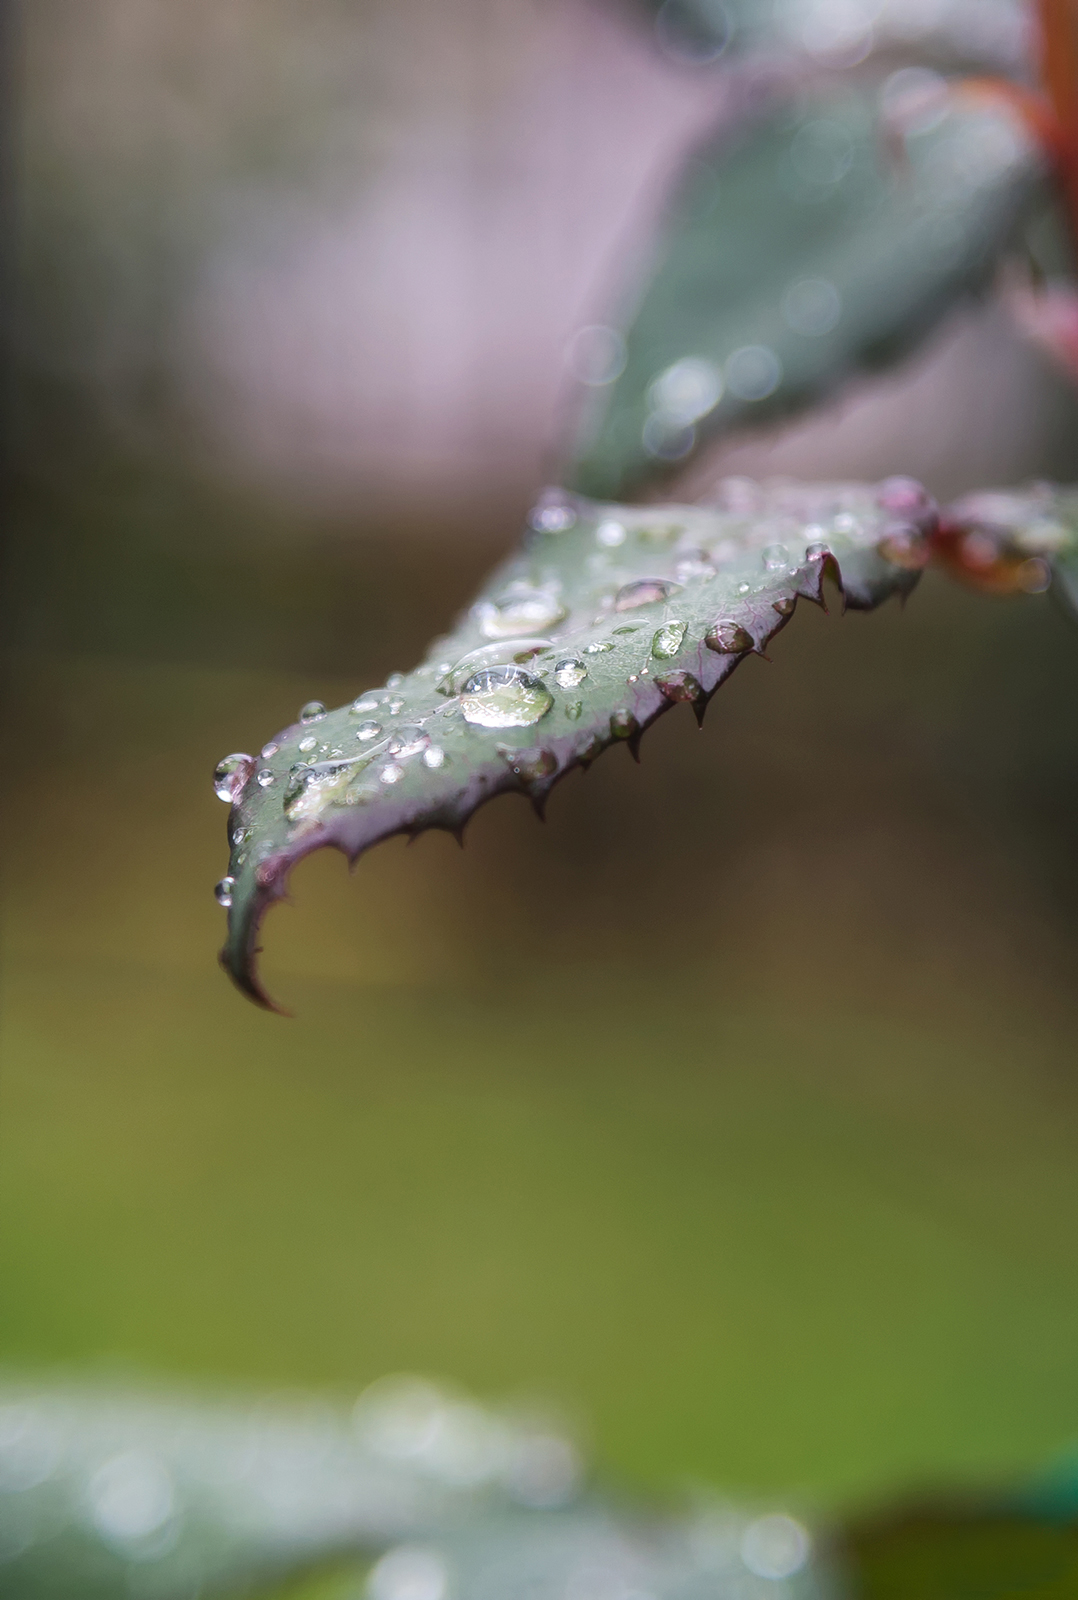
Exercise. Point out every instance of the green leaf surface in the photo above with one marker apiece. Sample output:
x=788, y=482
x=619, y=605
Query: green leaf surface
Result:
x=827, y=239
x=608, y=617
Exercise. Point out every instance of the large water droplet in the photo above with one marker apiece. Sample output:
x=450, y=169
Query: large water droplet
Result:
x=679, y=686
x=520, y=610
x=368, y=731
x=728, y=638
x=668, y=640
x=223, y=892
x=623, y=724
x=569, y=672
x=644, y=592
x=409, y=741
x=504, y=697
x=230, y=776
x=312, y=711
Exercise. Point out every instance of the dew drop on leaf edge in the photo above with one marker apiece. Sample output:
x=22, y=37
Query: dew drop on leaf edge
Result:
x=223, y=892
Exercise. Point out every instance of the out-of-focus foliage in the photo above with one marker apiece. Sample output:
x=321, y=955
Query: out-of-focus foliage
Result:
x=610, y=616
x=825, y=240
x=108, y=1495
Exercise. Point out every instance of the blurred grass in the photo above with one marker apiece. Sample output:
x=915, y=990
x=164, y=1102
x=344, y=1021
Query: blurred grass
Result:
x=735, y=1108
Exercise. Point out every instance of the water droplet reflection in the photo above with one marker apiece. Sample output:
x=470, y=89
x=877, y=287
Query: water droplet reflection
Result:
x=223, y=892
x=728, y=639
x=644, y=592
x=504, y=697
x=230, y=776
x=668, y=640
x=312, y=711
x=569, y=672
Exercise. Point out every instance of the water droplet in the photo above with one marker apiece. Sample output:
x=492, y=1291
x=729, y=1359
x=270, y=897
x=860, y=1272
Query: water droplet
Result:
x=366, y=702
x=694, y=565
x=553, y=512
x=668, y=640
x=394, y=705
x=610, y=535
x=776, y=558
x=239, y=836
x=632, y=678
x=623, y=724
x=687, y=390
x=569, y=672
x=391, y=773
x=434, y=756
x=520, y=610
x=269, y=750
x=312, y=711
x=231, y=775
x=574, y=710
x=531, y=765
x=223, y=892
x=903, y=495
x=504, y=697
x=728, y=638
x=679, y=686
x=309, y=743
x=394, y=680
x=753, y=373
x=368, y=731
x=598, y=647
x=816, y=552
x=264, y=777
x=501, y=654
x=644, y=592
x=784, y=607
x=409, y=742
x=743, y=588
x=630, y=627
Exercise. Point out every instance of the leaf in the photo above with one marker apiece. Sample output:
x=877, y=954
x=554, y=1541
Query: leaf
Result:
x=1005, y=541
x=987, y=35
x=607, y=617
x=828, y=239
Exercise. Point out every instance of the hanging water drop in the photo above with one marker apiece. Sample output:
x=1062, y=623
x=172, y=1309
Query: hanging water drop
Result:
x=668, y=640
x=504, y=697
x=644, y=592
x=728, y=638
x=784, y=607
x=569, y=672
x=223, y=892
x=312, y=711
x=409, y=742
x=230, y=776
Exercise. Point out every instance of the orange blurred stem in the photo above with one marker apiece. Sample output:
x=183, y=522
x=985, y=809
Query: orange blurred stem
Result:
x=1059, y=74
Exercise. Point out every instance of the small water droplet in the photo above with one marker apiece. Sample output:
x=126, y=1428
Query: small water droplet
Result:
x=668, y=640
x=644, y=592
x=264, y=777
x=394, y=680
x=312, y=711
x=504, y=697
x=598, y=648
x=632, y=678
x=269, y=750
x=753, y=373
x=239, y=836
x=223, y=892
x=434, y=756
x=623, y=724
x=367, y=731
x=679, y=686
x=531, y=765
x=776, y=558
x=309, y=743
x=569, y=672
x=694, y=566
x=728, y=638
x=391, y=773
x=743, y=588
x=230, y=776
x=553, y=512
x=395, y=706
x=574, y=710
x=366, y=702
x=522, y=609
x=816, y=552
x=409, y=741
x=784, y=607
x=610, y=535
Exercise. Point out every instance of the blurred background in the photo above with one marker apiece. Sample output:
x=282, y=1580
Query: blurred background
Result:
x=735, y=1110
